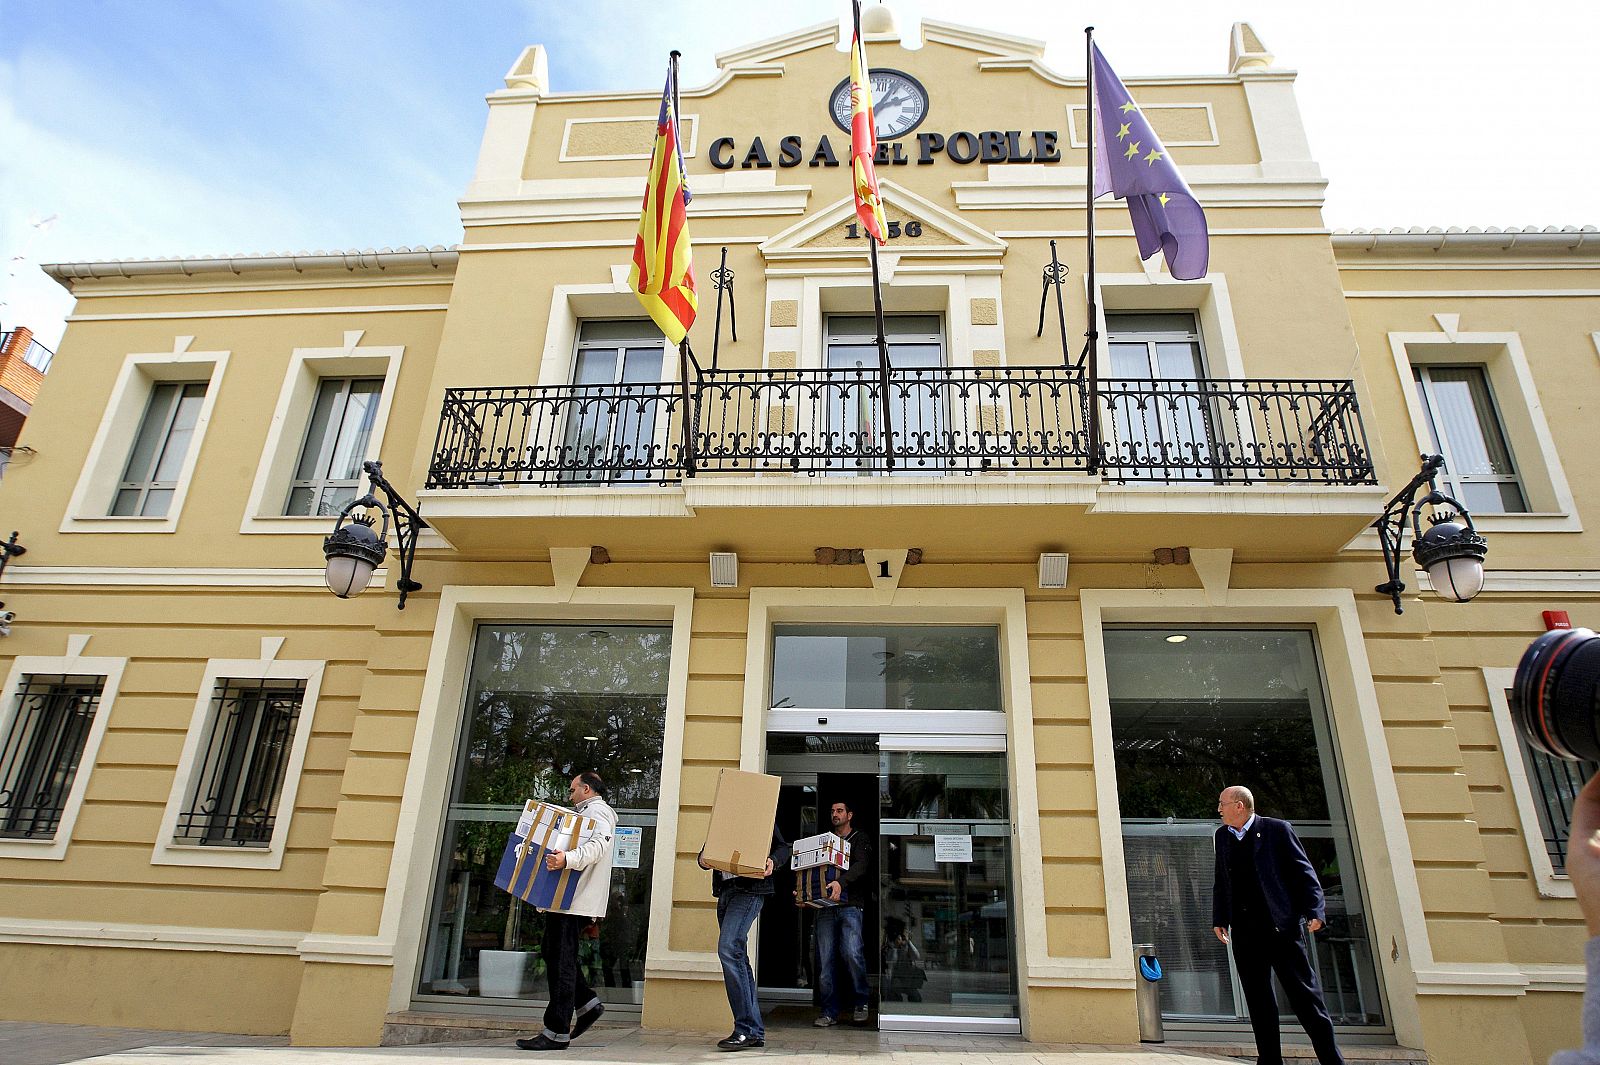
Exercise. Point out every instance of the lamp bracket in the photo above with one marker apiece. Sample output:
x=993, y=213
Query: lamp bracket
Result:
x=1405, y=506
x=407, y=523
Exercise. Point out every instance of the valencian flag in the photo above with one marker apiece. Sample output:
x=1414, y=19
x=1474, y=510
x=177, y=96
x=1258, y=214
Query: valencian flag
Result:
x=663, y=275
x=864, y=138
x=1132, y=164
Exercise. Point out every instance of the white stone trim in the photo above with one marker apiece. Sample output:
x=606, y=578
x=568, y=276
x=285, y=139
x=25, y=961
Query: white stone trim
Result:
x=411, y=869
x=1006, y=607
x=73, y=663
x=1056, y=187
x=566, y=155
x=269, y=492
x=119, y=425
x=734, y=194
x=1151, y=291
x=171, y=577
x=1390, y=874
x=149, y=936
x=1472, y=293
x=1533, y=447
x=1549, y=883
x=1073, y=110
x=970, y=240
x=573, y=304
x=257, y=312
x=267, y=667
x=1527, y=582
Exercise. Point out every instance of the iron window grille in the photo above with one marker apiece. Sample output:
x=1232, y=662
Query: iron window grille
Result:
x=243, y=760
x=151, y=477
x=1555, y=784
x=328, y=473
x=41, y=750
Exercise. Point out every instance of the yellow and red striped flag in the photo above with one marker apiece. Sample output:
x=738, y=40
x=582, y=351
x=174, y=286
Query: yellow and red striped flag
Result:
x=864, y=139
x=663, y=272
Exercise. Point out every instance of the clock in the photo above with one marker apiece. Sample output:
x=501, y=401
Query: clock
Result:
x=899, y=103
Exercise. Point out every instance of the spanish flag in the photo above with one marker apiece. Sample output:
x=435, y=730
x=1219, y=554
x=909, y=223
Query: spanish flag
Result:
x=864, y=138
x=663, y=274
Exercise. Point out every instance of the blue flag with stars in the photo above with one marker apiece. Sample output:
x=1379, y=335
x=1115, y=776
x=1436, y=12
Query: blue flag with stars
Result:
x=1132, y=164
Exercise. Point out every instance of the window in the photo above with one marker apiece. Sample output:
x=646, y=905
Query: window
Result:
x=1466, y=429
x=1162, y=422
x=620, y=404
x=41, y=751
x=159, y=450
x=328, y=474
x=545, y=701
x=243, y=761
x=1555, y=783
x=851, y=407
x=873, y=667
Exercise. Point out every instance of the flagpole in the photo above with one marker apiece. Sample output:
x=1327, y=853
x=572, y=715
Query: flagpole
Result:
x=1092, y=348
x=684, y=355
x=877, y=291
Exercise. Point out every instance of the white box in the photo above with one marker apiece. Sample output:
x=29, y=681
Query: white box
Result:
x=826, y=848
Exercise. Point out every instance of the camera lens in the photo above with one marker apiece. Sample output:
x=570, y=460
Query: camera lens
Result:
x=1555, y=698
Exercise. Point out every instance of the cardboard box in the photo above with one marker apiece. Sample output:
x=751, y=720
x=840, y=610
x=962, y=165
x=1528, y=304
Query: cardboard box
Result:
x=544, y=827
x=824, y=849
x=742, y=815
x=810, y=887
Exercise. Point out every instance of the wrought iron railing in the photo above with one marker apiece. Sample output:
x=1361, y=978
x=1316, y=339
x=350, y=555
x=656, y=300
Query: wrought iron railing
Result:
x=928, y=421
x=559, y=434
x=36, y=354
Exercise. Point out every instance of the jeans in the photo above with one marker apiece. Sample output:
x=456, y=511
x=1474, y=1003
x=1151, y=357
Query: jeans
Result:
x=736, y=912
x=839, y=939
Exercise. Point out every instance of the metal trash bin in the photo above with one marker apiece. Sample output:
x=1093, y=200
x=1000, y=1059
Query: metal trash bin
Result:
x=1147, y=984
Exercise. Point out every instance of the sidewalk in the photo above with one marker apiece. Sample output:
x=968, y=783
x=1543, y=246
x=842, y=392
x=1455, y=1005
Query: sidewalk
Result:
x=53, y=1044
x=56, y=1044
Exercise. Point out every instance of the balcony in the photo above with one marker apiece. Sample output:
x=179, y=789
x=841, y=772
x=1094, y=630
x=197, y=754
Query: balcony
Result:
x=972, y=422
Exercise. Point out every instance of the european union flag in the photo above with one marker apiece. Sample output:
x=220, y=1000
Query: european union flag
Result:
x=1131, y=163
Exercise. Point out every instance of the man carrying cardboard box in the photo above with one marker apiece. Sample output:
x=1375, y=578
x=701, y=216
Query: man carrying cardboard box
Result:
x=739, y=901
x=568, y=988
x=839, y=927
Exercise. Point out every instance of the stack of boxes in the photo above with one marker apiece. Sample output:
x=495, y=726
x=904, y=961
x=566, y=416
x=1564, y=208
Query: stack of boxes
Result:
x=544, y=827
x=817, y=862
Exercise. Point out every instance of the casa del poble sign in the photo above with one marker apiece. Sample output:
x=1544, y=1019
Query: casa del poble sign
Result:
x=899, y=104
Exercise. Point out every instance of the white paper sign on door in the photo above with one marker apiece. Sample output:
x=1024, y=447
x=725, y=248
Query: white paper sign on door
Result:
x=952, y=848
x=625, y=849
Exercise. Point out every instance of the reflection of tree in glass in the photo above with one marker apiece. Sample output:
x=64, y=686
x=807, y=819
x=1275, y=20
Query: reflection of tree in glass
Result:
x=942, y=668
x=945, y=786
x=1174, y=756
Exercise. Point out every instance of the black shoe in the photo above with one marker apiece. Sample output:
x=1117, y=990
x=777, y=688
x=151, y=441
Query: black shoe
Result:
x=581, y=1023
x=540, y=1042
x=740, y=1042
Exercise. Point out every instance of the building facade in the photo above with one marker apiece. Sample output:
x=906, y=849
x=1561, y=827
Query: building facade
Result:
x=1029, y=663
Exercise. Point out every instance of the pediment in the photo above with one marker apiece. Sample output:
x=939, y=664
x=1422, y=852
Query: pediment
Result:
x=825, y=233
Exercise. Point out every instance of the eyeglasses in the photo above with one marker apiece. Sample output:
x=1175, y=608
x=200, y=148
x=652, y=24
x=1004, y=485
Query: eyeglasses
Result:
x=1230, y=802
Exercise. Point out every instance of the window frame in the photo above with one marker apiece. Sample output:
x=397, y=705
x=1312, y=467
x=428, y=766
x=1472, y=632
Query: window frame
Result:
x=1422, y=377
x=168, y=850
x=330, y=439
x=291, y=421
x=1545, y=489
x=89, y=509
x=1549, y=883
x=150, y=484
x=73, y=663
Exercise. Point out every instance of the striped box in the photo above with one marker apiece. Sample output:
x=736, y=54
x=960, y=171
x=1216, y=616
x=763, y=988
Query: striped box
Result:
x=543, y=827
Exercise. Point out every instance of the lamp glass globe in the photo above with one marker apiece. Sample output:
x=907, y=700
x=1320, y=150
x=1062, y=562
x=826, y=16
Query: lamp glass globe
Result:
x=348, y=577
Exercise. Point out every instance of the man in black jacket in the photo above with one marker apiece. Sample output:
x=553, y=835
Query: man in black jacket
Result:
x=839, y=927
x=739, y=900
x=1264, y=888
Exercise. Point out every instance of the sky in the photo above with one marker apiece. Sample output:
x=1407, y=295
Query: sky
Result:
x=157, y=128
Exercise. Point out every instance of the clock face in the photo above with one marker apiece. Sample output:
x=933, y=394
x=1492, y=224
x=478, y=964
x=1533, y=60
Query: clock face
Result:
x=899, y=103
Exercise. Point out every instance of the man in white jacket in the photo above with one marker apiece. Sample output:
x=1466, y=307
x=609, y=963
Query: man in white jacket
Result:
x=569, y=991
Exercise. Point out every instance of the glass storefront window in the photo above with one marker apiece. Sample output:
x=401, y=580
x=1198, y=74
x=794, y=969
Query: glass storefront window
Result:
x=894, y=667
x=1194, y=711
x=545, y=702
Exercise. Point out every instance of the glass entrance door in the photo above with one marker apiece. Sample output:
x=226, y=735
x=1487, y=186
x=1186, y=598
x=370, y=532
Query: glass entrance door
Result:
x=938, y=928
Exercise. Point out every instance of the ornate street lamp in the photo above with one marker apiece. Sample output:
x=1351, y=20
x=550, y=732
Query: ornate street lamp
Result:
x=1451, y=551
x=10, y=549
x=354, y=549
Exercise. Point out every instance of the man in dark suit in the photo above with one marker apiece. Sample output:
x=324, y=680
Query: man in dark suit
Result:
x=1264, y=888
